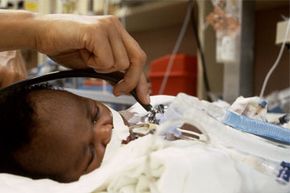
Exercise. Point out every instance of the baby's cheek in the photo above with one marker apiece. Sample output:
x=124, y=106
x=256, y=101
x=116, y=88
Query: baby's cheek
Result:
x=100, y=151
x=108, y=134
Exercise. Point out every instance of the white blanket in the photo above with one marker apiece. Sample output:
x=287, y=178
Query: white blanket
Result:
x=226, y=164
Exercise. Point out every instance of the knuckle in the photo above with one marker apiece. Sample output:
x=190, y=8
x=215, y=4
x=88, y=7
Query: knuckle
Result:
x=122, y=64
x=143, y=56
x=140, y=57
x=105, y=64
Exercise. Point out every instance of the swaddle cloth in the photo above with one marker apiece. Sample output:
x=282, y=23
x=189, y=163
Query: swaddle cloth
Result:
x=229, y=160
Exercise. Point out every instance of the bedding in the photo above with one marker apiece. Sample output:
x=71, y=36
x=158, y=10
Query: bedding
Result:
x=229, y=161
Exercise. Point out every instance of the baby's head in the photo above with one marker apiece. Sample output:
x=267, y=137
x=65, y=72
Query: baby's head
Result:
x=48, y=133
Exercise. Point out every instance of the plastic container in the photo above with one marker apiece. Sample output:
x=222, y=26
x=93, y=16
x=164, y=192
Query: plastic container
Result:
x=182, y=77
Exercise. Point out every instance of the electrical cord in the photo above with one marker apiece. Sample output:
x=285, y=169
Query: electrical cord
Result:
x=175, y=49
x=113, y=78
x=276, y=62
x=202, y=57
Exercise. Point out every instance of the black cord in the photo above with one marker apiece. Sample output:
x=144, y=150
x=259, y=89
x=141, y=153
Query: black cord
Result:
x=113, y=78
x=199, y=47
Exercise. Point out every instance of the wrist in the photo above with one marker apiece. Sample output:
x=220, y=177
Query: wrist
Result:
x=54, y=33
x=18, y=30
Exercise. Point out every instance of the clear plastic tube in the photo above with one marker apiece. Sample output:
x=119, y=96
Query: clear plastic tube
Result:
x=175, y=49
x=280, y=171
x=276, y=62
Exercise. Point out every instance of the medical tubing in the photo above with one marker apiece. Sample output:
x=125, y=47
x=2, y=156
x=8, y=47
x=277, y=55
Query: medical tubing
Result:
x=257, y=127
x=175, y=49
x=276, y=62
x=113, y=78
x=278, y=169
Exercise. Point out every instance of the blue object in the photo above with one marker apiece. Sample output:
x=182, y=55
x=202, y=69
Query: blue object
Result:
x=263, y=103
x=284, y=173
x=257, y=127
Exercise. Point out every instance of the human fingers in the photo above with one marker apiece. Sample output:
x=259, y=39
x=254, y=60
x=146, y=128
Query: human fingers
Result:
x=142, y=90
x=100, y=55
x=137, y=58
x=133, y=75
x=105, y=31
x=121, y=59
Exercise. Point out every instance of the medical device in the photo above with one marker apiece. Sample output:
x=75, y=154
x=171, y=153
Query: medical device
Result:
x=113, y=78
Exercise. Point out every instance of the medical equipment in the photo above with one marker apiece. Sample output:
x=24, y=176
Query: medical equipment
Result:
x=257, y=127
x=277, y=60
x=113, y=78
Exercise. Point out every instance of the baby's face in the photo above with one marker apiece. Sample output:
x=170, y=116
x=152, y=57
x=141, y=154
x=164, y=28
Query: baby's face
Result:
x=70, y=136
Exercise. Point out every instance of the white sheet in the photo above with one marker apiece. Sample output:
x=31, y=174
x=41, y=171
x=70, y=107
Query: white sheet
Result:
x=151, y=164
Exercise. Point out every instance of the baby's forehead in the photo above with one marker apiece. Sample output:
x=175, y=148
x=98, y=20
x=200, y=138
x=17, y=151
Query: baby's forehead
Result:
x=49, y=93
x=56, y=97
x=56, y=104
x=59, y=112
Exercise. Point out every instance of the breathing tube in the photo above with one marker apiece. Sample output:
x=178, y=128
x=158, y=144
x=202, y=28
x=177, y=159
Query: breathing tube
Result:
x=113, y=78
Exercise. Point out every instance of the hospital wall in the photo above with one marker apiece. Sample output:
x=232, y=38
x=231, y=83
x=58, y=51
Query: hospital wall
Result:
x=160, y=41
x=157, y=30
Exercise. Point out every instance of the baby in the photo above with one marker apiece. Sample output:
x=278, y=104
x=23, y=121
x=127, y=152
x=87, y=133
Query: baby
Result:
x=50, y=133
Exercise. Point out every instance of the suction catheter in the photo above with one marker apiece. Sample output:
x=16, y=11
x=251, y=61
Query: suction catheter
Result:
x=113, y=78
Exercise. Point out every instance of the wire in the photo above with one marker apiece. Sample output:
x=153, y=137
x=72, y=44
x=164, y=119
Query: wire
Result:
x=276, y=62
x=123, y=14
x=176, y=48
x=105, y=12
x=113, y=78
x=106, y=7
x=203, y=63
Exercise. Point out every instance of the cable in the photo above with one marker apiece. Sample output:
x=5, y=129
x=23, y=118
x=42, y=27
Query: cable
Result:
x=199, y=47
x=123, y=14
x=276, y=62
x=113, y=78
x=176, y=48
x=106, y=7
x=105, y=12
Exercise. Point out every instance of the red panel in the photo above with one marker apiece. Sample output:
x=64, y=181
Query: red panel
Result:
x=182, y=78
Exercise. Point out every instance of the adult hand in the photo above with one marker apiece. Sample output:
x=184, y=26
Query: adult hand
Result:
x=99, y=42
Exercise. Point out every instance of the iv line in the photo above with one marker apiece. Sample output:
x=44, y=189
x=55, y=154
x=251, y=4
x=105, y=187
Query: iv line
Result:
x=276, y=62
